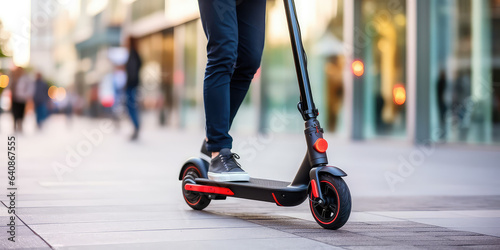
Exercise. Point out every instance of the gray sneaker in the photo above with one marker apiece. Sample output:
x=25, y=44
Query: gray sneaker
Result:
x=224, y=167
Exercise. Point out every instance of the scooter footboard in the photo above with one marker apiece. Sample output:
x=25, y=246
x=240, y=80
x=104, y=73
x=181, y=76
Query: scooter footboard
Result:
x=278, y=192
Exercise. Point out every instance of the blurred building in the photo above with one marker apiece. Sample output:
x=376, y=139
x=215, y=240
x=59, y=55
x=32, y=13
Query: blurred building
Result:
x=408, y=70
x=401, y=70
x=171, y=44
x=42, y=36
x=97, y=28
x=431, y=70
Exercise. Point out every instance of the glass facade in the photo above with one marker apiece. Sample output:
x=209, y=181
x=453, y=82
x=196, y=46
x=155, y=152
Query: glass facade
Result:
x=143, y=8
x=322, y=38
x=465, y=71
x=361, y=83
x=380, y=38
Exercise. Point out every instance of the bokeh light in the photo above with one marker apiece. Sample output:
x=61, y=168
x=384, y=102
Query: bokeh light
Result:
x=60, y=94
x=108, y=102
x=52, y=92
x=399, y=94
x=358, y=68
x=400, y=20
x=4, y=81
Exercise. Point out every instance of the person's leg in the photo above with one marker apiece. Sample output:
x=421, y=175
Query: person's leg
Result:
x=132, y=107
x=22, y=110
x=220, y=24
x=45, y=113
x=221, y=28
x=15, y=113
x=38, y=114
x=251, y=33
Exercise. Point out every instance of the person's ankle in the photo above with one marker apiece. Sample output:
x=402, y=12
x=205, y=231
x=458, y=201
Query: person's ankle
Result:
x=215, y=154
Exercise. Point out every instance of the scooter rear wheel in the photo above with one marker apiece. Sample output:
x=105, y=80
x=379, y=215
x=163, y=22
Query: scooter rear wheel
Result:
x=338, y=199
x=195, y=200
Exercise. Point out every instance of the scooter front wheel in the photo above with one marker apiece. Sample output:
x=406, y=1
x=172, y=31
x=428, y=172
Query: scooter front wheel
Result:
x=195, y=200
x=334, y=213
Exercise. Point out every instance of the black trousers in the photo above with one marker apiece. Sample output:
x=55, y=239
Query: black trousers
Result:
x=235, y=31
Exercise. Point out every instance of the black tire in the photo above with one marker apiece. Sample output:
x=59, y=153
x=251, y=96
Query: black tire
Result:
x=195, y=200
x=337, y=195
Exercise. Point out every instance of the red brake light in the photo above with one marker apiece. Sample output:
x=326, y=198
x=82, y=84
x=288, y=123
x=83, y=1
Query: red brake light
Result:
x=321, y=145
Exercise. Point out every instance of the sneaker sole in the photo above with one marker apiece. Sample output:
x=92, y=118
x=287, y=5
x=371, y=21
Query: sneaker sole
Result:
x=228, y=176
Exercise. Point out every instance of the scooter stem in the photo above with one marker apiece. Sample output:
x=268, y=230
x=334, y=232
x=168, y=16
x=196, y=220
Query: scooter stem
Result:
x=306, y=105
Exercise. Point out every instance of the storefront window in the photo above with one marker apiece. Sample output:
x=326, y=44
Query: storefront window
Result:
x=466, y=71
x=190, y=112
x=143, y=8
x=150, y=50
x=380, y=38
x=321, y=25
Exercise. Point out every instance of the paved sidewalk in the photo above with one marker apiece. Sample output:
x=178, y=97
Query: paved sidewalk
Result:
x=124, y=195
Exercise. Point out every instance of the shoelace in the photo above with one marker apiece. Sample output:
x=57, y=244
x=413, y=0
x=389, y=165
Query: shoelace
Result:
x=233, y=156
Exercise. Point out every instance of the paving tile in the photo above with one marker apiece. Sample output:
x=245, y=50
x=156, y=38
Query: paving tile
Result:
x=405, y=238
x=426, y=229
x=451, y=233
x=123, y=226
x=25, y=239
x=118, y=216
x=339, y=232
x=4, y=212
x=482, y=247
x=78, y=203
x=429, y=203
x=446, y=243
x=96, y=209
x=397, y=233
x=404, y=224
x=474, y=238
x=354, y=217
x=371, y=217
x=289, y=223
x=354, y=241
x=462, y=222
x=479, y=213
x=443, y=247
x=418, y=214
x=492, y=231
x=241, y=244
x=396, y=229
x=186, y=235
x=488, y=226
x=394, y=247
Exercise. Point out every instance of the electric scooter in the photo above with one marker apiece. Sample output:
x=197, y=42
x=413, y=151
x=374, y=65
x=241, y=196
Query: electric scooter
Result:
x=328, y=194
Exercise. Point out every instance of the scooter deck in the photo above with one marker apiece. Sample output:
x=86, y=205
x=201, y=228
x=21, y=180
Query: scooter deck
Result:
x=279, y=192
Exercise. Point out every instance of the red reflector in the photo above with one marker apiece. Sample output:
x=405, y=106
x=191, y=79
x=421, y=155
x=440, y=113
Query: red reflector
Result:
x=276, y=200
x=208, y=189
x=314, y=188
x=321, y=145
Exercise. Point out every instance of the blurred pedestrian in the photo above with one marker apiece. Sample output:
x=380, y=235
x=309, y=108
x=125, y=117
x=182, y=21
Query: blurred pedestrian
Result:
x=132, y=68
x=22, y=89
x=441, y=88
x=41, y=100
x=119, y=80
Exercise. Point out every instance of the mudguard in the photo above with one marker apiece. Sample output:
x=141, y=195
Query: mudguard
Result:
x=335, y=171
x=200, y=164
